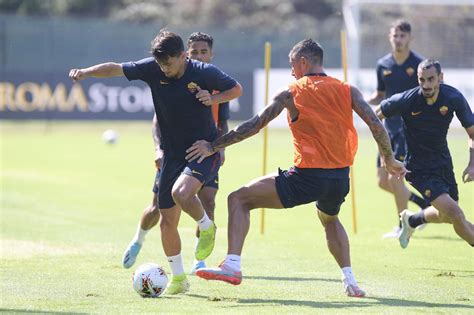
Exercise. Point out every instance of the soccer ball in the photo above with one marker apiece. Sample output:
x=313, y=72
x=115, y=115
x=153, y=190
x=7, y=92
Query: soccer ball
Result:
x=110, y=136
x=149, y=280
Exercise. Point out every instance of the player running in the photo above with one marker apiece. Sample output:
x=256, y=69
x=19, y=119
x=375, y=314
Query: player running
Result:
x=427, y=111
x=199, y=48
x=181, y=95
x=320, y=118
x=396, y=72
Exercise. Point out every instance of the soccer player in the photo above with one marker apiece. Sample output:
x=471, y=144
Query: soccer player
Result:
x=427, y=111
x=319, y=111
x=396, y=72
x=181, y=95
x=199, y=48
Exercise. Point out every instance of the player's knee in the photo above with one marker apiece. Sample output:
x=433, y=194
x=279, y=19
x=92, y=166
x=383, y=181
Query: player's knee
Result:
x=180, y=195
x=238, y=199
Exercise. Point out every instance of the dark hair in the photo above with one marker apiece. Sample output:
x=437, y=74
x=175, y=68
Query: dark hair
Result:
x=402, y=25
x=310, y=49
x=428, y=63
x=200, y=37
x=166, y=44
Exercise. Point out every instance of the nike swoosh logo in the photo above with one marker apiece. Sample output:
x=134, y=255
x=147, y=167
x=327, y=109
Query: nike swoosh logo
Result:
x=196, y=172
x=164, y=82
x=416, y=113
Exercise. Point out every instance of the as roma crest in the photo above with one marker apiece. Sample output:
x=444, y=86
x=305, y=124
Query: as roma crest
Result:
x=410, y=71
x=443, y=110
x=193, y=87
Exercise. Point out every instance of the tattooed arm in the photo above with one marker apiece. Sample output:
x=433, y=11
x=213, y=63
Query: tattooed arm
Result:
x=155, y=131
x=202, y=149
x=360, y=106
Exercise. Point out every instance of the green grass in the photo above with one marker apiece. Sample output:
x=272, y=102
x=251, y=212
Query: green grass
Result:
x=70, y=205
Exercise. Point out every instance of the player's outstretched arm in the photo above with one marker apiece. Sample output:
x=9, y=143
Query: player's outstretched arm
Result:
x=379, y=133
x=202, y=149
x=468, y=174
x=103, y=70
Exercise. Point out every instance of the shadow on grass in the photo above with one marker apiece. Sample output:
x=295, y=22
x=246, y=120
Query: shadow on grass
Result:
x=20, y=311
x=438, y=237
x=351, y=302
x=290, y=279
x=447, y=270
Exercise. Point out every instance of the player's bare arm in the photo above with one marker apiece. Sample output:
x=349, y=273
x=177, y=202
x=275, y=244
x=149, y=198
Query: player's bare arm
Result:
x=208, y=99
x=155, y=130
x=103, y=70
x=376, y=98
x=202, y=149
x=379, y=133
x=468, y=174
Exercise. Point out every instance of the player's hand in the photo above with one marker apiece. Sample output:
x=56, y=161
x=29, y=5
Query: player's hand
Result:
x=395, y=168
x=222, y=153
x=200, y=150
x=77, y=74
x=204, y=96
x=468, y=174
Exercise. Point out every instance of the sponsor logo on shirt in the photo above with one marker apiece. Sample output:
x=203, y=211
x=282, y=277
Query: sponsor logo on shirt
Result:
x=443, y=110
x=410, y=71
x=387, y=72
x=193, y=87
x=416, y=113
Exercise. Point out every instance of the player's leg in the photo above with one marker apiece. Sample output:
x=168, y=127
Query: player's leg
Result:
x=328, y=206
x=170, y=213
x=450, y=212
x=150, y=217
x=184, y=192
x=172, y=247
x=207, y=195
x=261, y=192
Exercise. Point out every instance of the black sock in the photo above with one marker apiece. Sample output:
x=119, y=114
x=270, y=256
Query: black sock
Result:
x=417, y=219
x=418, y=200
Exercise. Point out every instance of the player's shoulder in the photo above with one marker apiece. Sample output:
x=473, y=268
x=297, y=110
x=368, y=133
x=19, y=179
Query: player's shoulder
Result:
x=450, y=91
x=409, y=96
x=385, y=61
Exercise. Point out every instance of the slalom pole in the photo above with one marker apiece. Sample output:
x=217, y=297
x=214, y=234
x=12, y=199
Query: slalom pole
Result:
x=352, y=175
x=268, y=49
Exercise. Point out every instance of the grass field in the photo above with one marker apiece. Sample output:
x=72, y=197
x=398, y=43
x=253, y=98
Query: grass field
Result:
x=70, y=205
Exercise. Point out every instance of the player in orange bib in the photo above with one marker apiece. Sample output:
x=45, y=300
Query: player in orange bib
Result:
x=325, y=142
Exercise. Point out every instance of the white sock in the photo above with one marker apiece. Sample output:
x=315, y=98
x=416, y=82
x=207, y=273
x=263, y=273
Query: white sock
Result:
x=233, y=261
x=348, y=275
x=176, y=264
x=140, y=235
x=204, y=223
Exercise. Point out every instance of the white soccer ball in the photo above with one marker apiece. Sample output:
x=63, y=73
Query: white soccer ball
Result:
x=149, y=280
x=110, y=136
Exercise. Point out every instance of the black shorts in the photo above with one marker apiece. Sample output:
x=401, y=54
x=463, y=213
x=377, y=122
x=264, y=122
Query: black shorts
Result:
x=301, y=186
x=433, y=183
x=156, y=182
x=172, y=169
x=399, y=147
x=214, y=183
